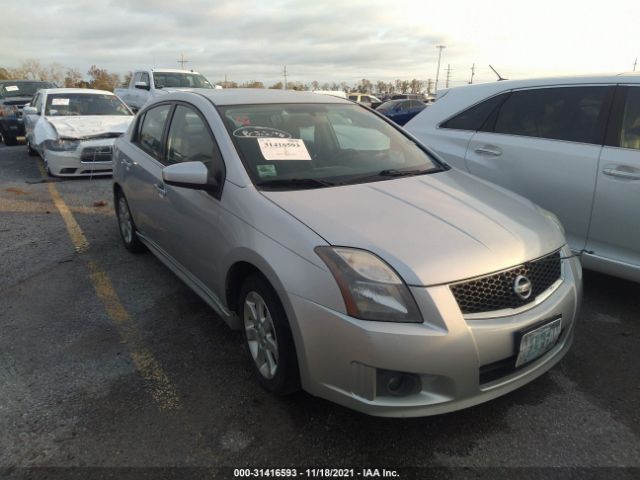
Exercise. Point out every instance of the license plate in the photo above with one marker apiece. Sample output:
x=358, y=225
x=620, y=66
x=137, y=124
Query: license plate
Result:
x=539, y=341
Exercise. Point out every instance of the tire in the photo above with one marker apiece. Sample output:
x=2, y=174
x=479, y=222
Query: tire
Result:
x=31, y=151
x=126, y=226
x=9, y=140
x=266, y=329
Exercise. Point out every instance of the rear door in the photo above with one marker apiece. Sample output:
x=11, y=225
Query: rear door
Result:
x=615, y=226
x=544, y=143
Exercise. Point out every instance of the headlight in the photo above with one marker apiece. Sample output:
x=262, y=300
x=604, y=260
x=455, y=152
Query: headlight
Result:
x=61, y=145
x=371, y=289
x=551, y=216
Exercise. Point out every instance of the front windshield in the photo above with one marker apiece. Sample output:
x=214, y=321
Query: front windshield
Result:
x=22, y=89
x=65, y=104
x=322, y=144
x=180, y=80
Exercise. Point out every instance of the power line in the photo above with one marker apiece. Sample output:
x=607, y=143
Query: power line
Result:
x=182, y=61
x=440, y=48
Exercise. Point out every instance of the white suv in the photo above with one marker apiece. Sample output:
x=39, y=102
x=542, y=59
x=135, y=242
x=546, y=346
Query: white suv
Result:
x=571, y=145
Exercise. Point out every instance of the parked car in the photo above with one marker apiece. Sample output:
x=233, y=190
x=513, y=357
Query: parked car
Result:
x=401, y=111
x=73, y=130
x=408, y=96
x=571, y=145
x=357, y=264
x=147, y=84
x=365, y=99
x=14, y=94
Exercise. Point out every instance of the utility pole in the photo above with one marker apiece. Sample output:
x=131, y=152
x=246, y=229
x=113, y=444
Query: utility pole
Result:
x=473, y=72
x=634, y=64
x=448, y=75
x=182, y=61
x=440, y=48
x=429, y=85
x=285, y=77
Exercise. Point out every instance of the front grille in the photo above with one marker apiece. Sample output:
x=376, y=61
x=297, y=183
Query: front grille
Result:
x=96, y=154
x=496, y=291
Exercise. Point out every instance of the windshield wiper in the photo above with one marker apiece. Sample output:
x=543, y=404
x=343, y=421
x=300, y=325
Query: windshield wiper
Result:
x=392, y=172
x=296, y=183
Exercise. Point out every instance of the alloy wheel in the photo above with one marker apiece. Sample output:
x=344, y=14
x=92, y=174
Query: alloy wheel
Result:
x=124, y=219
x=261, y=335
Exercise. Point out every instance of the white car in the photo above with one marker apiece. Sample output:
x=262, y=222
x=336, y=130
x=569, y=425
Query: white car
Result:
x=571, y=145
x=73, y=130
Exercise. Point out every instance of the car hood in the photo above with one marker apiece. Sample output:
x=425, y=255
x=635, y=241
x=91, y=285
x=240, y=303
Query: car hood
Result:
x=432, y=229
x=90, y=126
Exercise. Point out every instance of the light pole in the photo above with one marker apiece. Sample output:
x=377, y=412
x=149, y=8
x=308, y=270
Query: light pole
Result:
x=440, y=48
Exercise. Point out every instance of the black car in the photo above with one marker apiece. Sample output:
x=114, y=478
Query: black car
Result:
x=14, y=94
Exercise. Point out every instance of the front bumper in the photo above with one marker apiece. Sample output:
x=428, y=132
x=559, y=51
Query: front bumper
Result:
x=343, y=357
x=70, y=164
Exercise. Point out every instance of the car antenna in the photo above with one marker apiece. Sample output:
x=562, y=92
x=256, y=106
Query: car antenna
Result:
x=494, y=71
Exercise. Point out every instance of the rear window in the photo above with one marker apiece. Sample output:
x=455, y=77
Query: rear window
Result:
x=473, y=118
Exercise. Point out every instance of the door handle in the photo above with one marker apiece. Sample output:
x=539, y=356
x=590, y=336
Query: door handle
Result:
x=488, y=150
x=629, y=174
x=160, y=189
x=126, y=162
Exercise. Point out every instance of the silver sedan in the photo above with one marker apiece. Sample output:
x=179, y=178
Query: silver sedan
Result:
x=359, y=266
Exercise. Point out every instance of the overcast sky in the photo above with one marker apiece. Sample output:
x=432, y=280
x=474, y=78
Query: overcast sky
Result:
x=326, y=40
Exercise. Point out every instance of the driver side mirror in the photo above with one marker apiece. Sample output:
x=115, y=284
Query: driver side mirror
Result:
x=29, y=110
x=193, y=175
x=142, y=85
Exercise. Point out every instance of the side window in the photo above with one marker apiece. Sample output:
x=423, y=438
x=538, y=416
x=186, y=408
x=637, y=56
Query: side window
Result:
x=189, y=140
x=144, y=77
x=365, y=99
x=151, y=128
x=473, y=118
x=565, y=113
x=137, y=77
x=630, y=131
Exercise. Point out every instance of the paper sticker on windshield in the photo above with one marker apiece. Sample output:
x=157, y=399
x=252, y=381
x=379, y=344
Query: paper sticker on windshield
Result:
x=266, y=171
x=254, y=132
x=11, y=88
x=283, y=149
x=59, y=101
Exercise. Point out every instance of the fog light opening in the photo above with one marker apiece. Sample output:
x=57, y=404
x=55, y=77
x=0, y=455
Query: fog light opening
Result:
x=397, y=384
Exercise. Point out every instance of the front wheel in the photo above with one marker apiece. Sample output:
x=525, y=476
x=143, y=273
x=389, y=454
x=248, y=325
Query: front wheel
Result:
x=30, y=150
x=268, y=337
x=9, y=140
x=127, y=227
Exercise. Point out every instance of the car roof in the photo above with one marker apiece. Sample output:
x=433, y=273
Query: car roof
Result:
x=251, y=96
x=75, y=90
x=170, y=70
x=625, y=77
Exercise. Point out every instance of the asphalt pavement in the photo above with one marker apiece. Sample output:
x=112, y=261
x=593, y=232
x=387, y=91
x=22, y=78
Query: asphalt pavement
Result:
x=107, y=360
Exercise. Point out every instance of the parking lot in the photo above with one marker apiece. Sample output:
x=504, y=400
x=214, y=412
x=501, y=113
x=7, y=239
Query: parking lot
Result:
x=108, y=360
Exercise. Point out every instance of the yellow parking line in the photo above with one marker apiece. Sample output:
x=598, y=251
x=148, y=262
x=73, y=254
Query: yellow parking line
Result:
x=162, y=391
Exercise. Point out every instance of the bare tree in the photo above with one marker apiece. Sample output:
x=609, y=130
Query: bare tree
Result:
x=101, y=79
x=73, y=78
x=315, y=85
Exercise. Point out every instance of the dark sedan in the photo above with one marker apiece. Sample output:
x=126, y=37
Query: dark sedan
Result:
x=401, y=111
x=14, y=94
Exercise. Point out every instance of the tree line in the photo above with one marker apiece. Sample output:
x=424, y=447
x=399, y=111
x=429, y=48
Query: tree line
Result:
x=102, y=79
